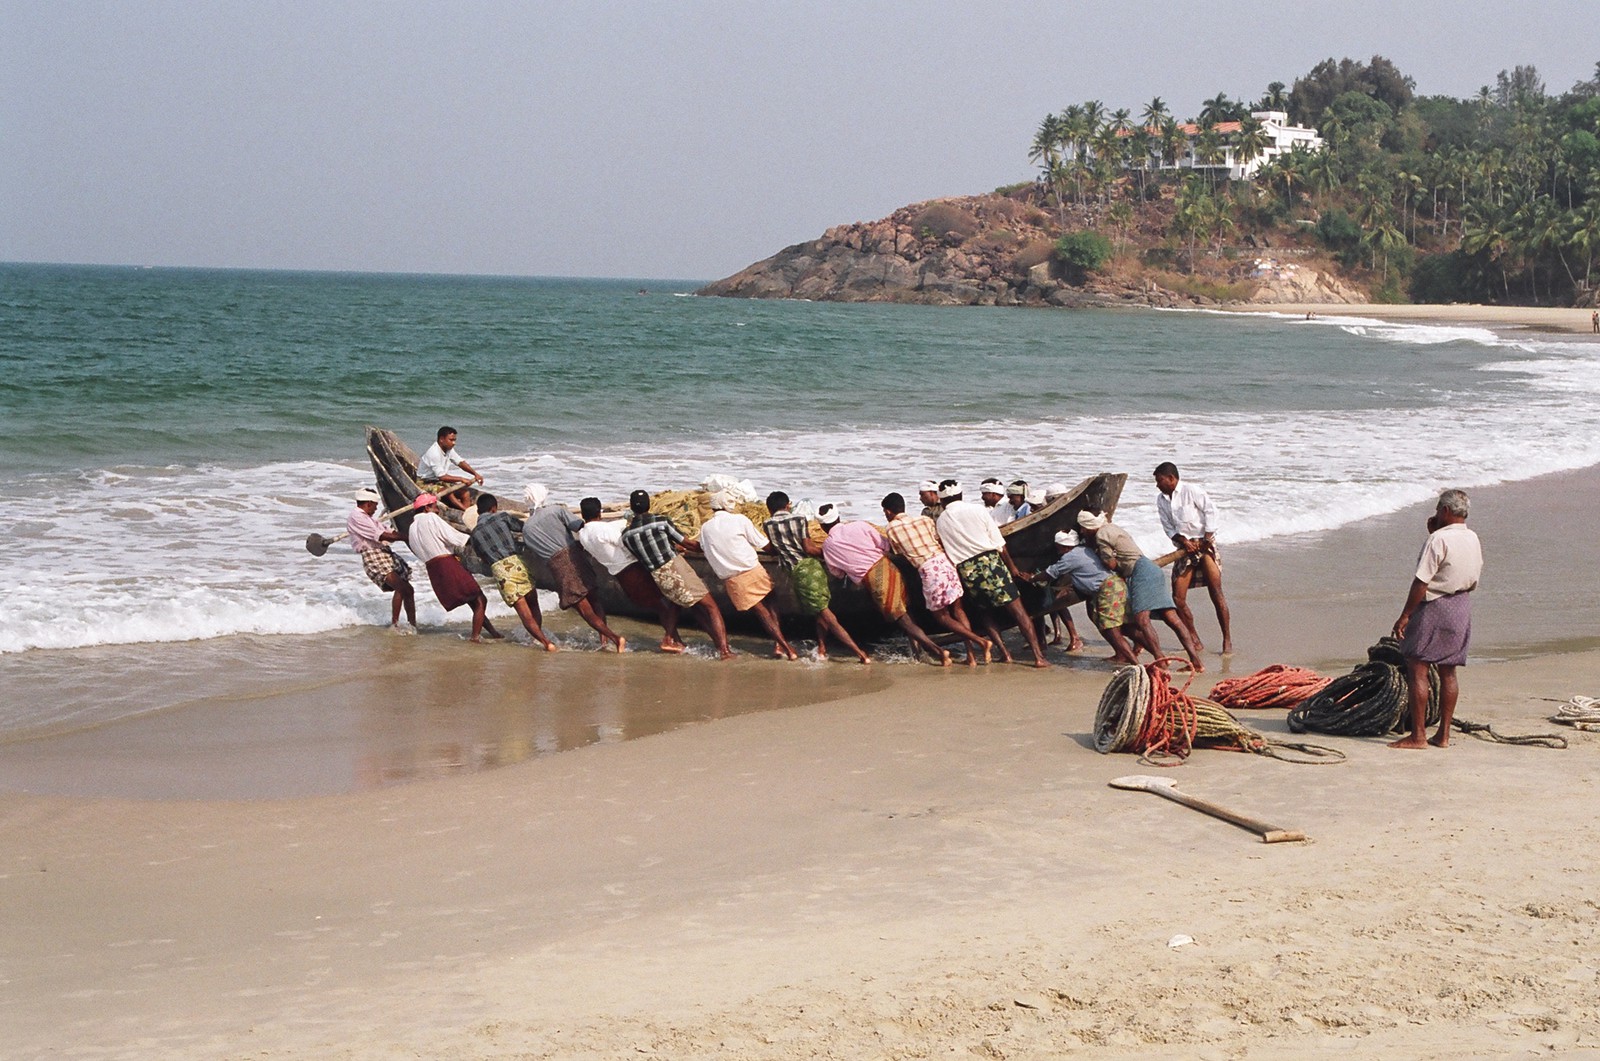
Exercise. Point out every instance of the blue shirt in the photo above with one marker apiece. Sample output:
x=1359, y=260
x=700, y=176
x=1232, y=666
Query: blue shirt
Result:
x=1087, y=571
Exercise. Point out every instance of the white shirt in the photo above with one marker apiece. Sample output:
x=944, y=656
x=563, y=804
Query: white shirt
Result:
x=1002, y=513
x=602, y=539
x=431, y=537
x=1188, y=512
x=436, y=463
x=1451, y=561
x=730, y=541
x=966, y=530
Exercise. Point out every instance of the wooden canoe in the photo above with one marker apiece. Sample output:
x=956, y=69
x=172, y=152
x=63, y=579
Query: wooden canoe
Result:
x=1030, y=540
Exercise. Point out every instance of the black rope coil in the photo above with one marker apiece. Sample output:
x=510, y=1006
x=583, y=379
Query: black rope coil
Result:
x=1370, y=701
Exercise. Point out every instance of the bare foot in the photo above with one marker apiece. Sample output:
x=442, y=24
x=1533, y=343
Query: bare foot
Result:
x=622, y=644
x=972, y=658
x=1041, y=662
x=1441, y=740
x=1227, y=647
x=1053, y=639
x=726, y=654
x=1076, y=646
x=944, y=658
x=865, y=659
x=1198, y=667
x=1412, y=741
x=551, y=646
x=495, y=635
x=988, y=648
x=672, y=646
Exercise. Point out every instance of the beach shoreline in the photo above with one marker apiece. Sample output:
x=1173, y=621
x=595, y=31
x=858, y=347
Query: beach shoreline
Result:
x=1534, y=318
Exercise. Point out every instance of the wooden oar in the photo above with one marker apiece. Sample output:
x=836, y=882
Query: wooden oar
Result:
x=1166, y=787
x=317, y=545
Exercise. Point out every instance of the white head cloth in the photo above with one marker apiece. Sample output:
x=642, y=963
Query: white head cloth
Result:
x=536, y=495
x=1066, y=539
x=1036, y=497
x=1054, y=490
x=827, y=515
x=928, y=484
x=721, y=501
x=953, y=490
x=1091, y=521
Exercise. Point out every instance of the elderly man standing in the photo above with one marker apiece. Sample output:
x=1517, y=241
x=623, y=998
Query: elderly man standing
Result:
x=370, y=539
x=1147, y=588
x=975, y=545
x=436, y=543
x=797, y=543
x=654, y=539
x=729, y=541
x=548, y=535
x=858, y=551
x=1190, y=520
x=1436, y=622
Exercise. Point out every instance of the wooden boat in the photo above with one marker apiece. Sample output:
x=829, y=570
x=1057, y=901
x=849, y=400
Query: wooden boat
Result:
x=1030, y=540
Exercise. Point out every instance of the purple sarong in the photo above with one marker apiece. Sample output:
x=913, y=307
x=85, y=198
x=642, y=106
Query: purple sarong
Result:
x=1439, y=630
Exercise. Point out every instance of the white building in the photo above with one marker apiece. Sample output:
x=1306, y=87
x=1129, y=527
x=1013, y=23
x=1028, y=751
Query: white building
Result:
x=1281, y=138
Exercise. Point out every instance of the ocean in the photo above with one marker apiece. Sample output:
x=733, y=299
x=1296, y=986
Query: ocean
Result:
x=171, y=436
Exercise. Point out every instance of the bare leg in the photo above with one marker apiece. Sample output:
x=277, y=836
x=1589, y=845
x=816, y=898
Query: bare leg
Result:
x=1218, y=601
x=1026, y=626
x=597, y=622
x=1417, y=678
x=1144, y=634
x=530, y=622
x=959, y=614
x=479, y=619
x=922, y=640
x=947, y=618
x=1180, y=600
x=829, y=622
x=769, y=623
x=1447, y=704
x=1121, y=652
x=1074, y=642
x=668, y=611
x=1186, y=638
x=992, y=631
x=711, y=616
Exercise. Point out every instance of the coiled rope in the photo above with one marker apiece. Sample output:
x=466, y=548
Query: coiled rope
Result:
x=1276, y=686
x=1140, y=711
x=1580, y=712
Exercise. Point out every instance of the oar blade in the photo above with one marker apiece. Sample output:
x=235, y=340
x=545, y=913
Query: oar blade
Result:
x=1142, y=782
x=316, y=544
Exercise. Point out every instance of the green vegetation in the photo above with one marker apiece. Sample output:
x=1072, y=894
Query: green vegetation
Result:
x=1083, y=252
x=1493, y=198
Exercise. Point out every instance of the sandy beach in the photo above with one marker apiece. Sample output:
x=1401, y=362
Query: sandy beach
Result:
x=1537, y=318
x=816, y=861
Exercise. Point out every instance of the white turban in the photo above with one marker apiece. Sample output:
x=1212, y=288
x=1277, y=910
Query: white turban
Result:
x=1054, y=490
x=721, y=501
x=827, y=515
x=928, y=484
x=1019, y=487
x=953, y=490
x=1035, y=497
x=535, y=495
x=1091, y=521
x=1067, y=539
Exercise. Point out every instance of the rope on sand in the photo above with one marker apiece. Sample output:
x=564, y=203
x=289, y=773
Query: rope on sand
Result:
x=1140, y=711
x=1276, y=686
x=1580, y=712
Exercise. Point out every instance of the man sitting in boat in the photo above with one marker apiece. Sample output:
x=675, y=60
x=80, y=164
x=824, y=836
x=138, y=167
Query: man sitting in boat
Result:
x=442, y=467
x=548, y=535
x=495, y=539
x=1017, y=498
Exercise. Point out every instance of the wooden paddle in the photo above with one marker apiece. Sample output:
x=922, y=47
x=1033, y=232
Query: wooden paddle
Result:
x=317, y=545
x=1166, y=787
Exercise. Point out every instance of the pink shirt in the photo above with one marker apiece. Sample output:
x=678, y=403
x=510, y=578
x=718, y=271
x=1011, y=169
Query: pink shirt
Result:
x=852, y=548
x=365, y=531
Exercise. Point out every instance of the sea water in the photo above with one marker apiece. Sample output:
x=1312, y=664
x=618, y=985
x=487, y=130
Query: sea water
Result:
x=171, y=436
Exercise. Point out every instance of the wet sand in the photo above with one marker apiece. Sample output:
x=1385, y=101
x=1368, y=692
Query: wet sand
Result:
x=890, y=861
x=1537, y=318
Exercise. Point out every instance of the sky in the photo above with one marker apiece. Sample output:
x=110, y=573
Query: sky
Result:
x=607, y=138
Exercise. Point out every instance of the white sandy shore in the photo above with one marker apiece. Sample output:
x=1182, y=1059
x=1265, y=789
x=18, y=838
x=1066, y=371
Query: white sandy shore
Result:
x=1540, y=318
x=933, y=868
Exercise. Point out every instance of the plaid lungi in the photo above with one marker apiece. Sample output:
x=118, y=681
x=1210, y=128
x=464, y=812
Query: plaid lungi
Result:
x=380, y=563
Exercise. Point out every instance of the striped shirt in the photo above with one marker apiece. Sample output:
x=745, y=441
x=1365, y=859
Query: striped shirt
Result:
x=651, y=537
x=495, y=536
x=914, y=537
x=788, y=531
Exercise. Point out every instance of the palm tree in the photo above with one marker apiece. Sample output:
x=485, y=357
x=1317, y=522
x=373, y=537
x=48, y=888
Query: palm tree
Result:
x=1276, y=99
x=1173, y=141
x=1209, y=152
x=1484, y=232
x=1383, y=239
x=1046, y=150
x=1250, y=142
x=1583, y=234
x=1218, y=108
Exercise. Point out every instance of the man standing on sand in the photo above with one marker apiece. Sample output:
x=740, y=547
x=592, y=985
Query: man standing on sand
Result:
x=973, y=543
x=729, y=541
x=1594, y=321
x=1190, y=520
x=858, y=551
x=656, y=542
x=602, y=540
x=1436, y=622
x=547, y=534
x=387, y=571
x=797, y=543
x=441, y=467
x=494, y=538
x=436, y=543
x=917, y=539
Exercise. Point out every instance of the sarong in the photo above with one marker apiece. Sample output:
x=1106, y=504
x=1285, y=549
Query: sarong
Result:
x=639, y=586
x=380, y=563
x=572, y=574
x=811, y=590
x=679, y=584
x=1147, y=588
x=1191, y=562
x=514, y=579
x=1109, y=606
x=451, y=582
x=941, y=586
x=986, y=578
x=748, y=588
x=888, y=589
x=1439, y=630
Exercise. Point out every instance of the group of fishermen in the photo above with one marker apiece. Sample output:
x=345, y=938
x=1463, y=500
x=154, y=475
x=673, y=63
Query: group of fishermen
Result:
x=955, y=547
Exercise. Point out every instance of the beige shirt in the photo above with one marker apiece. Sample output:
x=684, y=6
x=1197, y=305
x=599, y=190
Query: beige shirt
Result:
x=1451, y=561
x=1117, y=548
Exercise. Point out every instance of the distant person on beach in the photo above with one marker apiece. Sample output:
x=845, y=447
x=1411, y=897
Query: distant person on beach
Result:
x=548, y=535
x=928, y=494
x=370, y=539
x=442, y=467
x=494, y=538
x=1147, y=587
x=917, y=539
x=436, y=543
x=858, y=551
x=656, y=542
x=1101, y=589
x=1594, y=321
x=602, y=540
x=797, y=542
x=1190, y=519
x=1436, y=622
x=730, y=543
x=973, y=543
